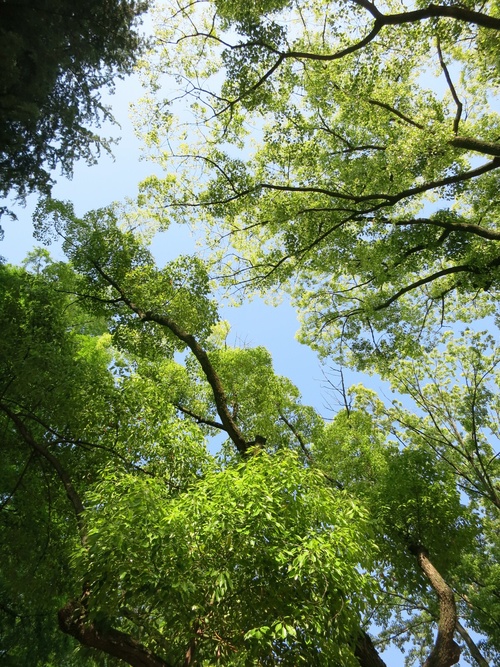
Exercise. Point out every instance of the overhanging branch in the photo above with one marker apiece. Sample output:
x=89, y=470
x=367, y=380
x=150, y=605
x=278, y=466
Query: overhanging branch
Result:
x=113, y=642
x=202, y=357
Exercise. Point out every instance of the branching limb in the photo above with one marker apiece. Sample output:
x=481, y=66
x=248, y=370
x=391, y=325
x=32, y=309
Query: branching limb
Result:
x=198, y=419
x=472, y=646
x=468, y=228
x=453, y=92
x=461, y=268
x=306, y=451
x=18, y=482
x=202, y=357
x=71, y=492
x=113, y=642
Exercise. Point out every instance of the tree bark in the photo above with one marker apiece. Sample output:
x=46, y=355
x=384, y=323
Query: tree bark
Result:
x=446, y=651
x=366, y=653
x=111, y=641
x=474, y=650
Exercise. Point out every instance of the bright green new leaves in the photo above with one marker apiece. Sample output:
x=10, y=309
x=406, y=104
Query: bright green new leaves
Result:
x=116, y=273
x=349, y=155
x=455, y=391
x=427, y=467
x=106, y=471
x=261, y=561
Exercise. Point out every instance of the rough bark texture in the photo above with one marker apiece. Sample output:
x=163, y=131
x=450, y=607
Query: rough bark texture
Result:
x=446, y=651
x=366, y=653
x=113, y=642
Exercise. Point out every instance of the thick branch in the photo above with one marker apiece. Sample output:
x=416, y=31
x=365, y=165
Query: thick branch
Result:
x=210, y=373
x=443, y=182
x=366, y=653
x=462, y=268
x=477, y=145
x=113, y=642
x=472, y=646
x=28, y=438
x=446, y=651
x=457, y=12
x=381, y=20
x=467, y=227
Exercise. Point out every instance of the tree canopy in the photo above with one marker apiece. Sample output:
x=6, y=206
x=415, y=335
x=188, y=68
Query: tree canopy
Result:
x=349, y=155
x=167, y=499
x=57, y=56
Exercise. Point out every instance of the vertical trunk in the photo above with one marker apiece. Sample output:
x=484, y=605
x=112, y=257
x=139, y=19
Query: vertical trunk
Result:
x=446, y=651
x=366, y=653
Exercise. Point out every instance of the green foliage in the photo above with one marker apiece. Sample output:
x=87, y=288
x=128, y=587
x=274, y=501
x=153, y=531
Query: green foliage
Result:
x=55, y=375
x=259, y=561
x=276, y=552
x=361, y=118
x=253, y=559
x=263, y=403
x=336, y=158
x=116, y=269
x=56, y=58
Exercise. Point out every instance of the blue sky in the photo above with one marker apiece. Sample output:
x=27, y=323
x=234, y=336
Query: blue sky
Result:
x=111, y=180
x=252, y=324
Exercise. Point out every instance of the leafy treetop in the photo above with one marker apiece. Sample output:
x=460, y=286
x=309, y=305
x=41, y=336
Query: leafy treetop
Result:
x=57, y=56
x=349, y=154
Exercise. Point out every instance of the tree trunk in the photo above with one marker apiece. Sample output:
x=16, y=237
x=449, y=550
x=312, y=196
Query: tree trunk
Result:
x=366, y=653
x=446, y=651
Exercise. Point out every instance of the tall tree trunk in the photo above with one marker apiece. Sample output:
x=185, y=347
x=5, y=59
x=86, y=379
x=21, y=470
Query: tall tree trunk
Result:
x=366, y=653
x=446, y=651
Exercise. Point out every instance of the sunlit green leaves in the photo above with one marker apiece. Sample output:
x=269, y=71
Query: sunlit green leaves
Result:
x=320, y=156
x=259, y=559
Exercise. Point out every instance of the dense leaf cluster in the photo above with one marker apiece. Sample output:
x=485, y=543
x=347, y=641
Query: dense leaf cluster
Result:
x=57, y=56
x=166, y=499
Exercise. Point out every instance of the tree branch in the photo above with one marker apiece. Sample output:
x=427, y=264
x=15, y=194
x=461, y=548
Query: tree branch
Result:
x=451, y=87
x=457, y=12
x=111, y=641
x=198, y=419
x=71, y=492
x=462, y=268
x=472, y=646
x=202, y=357
x=467, y=227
